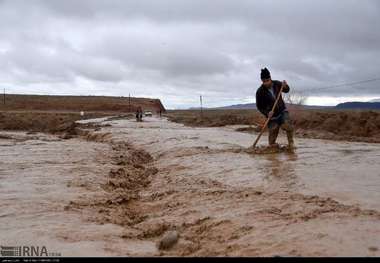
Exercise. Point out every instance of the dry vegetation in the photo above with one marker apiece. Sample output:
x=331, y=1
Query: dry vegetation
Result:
x=324, y=124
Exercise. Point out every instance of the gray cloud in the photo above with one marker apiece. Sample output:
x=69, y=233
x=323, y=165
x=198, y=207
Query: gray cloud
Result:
x=176, y=50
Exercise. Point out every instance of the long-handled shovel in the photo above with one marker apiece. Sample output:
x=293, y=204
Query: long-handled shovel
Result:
x=267, y=121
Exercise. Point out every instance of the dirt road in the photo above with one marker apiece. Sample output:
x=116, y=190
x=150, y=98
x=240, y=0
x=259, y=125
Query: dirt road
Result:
x=321, y=201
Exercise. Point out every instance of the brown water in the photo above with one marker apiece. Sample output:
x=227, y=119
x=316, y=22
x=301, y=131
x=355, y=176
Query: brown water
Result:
x=346, y=171
x=221, y=200
x=40, y=174
x=312, y=203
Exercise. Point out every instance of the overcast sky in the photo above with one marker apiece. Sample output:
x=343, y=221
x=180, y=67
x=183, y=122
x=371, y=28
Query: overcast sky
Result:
x=176, y=50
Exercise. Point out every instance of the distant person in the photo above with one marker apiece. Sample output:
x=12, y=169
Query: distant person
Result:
x=265, y=97
x=139, y=114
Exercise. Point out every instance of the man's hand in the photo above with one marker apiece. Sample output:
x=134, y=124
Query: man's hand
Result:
x=270, y=115
x=285, y=87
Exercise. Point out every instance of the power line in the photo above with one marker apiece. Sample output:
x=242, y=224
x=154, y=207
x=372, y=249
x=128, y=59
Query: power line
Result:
x=342, y=85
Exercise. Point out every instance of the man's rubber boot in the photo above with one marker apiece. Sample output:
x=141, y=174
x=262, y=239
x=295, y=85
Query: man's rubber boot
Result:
x=291, y=146
x=273, y=134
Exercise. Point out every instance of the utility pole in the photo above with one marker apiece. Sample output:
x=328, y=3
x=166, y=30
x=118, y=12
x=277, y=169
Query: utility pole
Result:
x=200, y=98
x=129, y=102
x=4, y=97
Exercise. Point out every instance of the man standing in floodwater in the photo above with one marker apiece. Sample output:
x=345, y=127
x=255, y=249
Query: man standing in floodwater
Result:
x=139, y=114
x=265, y=98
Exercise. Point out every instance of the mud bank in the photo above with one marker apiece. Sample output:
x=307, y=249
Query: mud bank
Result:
x=54, y=122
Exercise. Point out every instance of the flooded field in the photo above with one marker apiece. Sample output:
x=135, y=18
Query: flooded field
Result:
x=346, y=171
x=320, y=201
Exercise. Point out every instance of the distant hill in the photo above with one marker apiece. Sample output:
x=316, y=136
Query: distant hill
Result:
x=248, y=106
x=359, y=105
x=372, y=105
x=252, y=106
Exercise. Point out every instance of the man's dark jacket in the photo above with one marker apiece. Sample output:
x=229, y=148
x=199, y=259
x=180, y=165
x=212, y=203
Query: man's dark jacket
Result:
x=265, y=100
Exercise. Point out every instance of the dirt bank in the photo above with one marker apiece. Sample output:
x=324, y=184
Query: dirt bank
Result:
x=131, y=173
x=362, y=126
x=60, y=123
x=40, y=121
x=78, y=103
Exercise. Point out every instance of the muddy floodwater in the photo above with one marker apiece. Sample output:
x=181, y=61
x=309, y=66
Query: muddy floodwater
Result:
x=346, y=171
x=323, y=200
x=40, y=174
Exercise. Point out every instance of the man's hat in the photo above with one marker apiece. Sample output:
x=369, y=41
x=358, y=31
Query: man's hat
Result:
x=265, y=74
